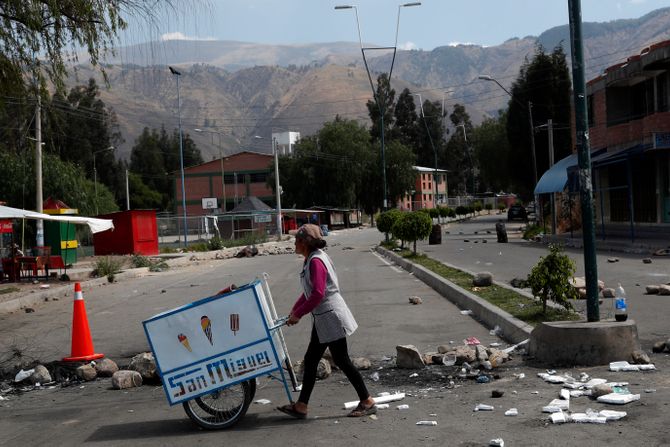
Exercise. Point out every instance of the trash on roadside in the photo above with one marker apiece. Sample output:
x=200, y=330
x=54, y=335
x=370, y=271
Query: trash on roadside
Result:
x=382, y=406
x=564, y=394
x=498, y=442
x=589, y=417
x=23, y=375
x=373, y=417
x=520, y=375
x=512, y=412
x=374, y=376
x=618, y=399
x=516, y=346
x=466, y=312
x=378, y=400
x=625, y=366
x=414, y=375
x=384, y=393
x=403, y=407
x=497, y=393
x=45, y=286
x=262, y=401
x=650, y=390
x=483, y=379
x=494, y=344
x=426, y=423
x=483, y=407
x=386, y=358
x=553, y=378
x=556, y=405
x=558, y=417
x=551, y=372
x=472, y=341
x=496, y=331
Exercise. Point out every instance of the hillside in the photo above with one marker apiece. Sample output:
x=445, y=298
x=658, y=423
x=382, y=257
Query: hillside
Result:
x=241, y=89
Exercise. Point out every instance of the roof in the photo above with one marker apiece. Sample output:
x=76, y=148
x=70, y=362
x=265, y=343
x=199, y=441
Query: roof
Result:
x=422, y=169
x=250, y=203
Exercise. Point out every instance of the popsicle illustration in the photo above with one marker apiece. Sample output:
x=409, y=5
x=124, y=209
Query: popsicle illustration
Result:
x=234, y=323
x=207, y=328
x=184, y=341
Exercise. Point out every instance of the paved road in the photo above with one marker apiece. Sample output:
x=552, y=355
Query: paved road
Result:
x=377, y=293
x=517, y=258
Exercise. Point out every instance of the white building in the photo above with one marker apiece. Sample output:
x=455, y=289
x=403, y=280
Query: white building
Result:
x=285, y=141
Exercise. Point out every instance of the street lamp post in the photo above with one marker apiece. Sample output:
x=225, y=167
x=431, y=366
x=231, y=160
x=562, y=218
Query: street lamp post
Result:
x=177, y=74
x=432, y=145
x=95, y=175
x=380, y=106
x=275, y=152
x=223, y=182
x=530, y=118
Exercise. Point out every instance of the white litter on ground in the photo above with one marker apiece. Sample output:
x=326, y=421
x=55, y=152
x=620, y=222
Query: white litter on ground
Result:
x=262, y=401
x=625, y=366
x=618, y=399
x=558, y=417
x=378, y=400
x=426, y=423
x=403, y=407
x=382, y=406
x=483, y=407
x=498, y=442
x=512, y=412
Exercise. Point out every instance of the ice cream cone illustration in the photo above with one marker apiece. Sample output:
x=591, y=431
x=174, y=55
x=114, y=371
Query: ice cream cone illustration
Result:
x=234, y=323
x=184, y=341
x=207, y=328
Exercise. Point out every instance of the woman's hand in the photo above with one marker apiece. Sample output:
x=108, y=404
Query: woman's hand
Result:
x=292, y=320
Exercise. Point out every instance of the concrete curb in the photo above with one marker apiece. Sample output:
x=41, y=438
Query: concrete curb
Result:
x=513, y=329
x=62, y=290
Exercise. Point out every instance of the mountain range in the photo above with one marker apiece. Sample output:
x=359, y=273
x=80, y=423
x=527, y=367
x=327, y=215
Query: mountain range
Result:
x=234, y=91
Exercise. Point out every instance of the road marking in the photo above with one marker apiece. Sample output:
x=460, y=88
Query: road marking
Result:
x=393, y=266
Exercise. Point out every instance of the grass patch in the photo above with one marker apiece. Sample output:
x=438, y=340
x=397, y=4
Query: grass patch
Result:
x=521, y=307
x=6, y=290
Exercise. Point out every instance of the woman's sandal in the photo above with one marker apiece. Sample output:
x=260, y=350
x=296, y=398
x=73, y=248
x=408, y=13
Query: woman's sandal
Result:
x=361, y=411
x=291, y=411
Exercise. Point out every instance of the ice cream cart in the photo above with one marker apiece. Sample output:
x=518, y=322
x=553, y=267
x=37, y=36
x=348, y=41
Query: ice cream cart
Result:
x=209, y=352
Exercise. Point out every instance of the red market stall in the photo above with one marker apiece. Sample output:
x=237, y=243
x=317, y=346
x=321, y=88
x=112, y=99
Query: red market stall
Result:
x=136, y=232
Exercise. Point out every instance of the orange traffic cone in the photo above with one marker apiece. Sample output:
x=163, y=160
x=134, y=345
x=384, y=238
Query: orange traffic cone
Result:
x=82, y=345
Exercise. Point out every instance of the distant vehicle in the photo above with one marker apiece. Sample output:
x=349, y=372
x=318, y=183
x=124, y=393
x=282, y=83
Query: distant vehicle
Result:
x=516, y=212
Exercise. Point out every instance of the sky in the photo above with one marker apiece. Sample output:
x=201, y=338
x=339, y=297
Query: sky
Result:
x=434, y=23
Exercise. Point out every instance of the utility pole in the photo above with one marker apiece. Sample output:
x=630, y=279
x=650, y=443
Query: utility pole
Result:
x=550, y=137
x=584, y=159
x=127, y=192
x=538, y=205
x=38, y=169
x=277, y=187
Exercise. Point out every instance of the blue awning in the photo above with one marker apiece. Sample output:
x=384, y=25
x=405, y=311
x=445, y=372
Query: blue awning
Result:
x=555, y=179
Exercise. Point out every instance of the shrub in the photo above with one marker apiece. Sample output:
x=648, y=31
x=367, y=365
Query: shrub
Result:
x=461, y=210
x=107, y=266
x=488, y=207
x=137, y=260
x=477, y=207
x=215, y=243
x=502, y=207
x=444, y=211
x=434, y=213
x=386, y=220
x=550, y=278
x=531, y=231
x=452, y=213
x=412, y=227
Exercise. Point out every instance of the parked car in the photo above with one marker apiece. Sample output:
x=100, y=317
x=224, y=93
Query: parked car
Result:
x=516, y=212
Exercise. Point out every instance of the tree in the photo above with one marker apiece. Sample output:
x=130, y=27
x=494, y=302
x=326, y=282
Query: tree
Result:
x=429, y=135
x=406, y=127
x=492, y=152
x=457, y=157
x=412, y=226
x=384, y=101
x=550, y=278
x=387, y=219
x=545, y=82
x=329, y=168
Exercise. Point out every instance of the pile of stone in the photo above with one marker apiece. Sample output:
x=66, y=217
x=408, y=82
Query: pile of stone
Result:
x=579, y=283
x=661, y=289
x=472, y=357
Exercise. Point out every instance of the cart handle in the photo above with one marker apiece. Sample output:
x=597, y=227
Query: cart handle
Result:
x=279, y=322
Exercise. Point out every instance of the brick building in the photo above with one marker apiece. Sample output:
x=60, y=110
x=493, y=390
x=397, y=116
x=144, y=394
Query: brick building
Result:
x=424, y=190
x=629, y=127
x=245, y=174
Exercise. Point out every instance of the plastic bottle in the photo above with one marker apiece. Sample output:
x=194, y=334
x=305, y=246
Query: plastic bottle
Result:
x=621, y=309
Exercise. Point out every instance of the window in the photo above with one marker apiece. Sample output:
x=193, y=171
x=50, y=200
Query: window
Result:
x=662, y=92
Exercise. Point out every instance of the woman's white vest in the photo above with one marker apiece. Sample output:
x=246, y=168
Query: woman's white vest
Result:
x=332, y=318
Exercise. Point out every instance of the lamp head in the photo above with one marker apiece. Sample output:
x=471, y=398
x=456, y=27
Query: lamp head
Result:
x=485, y=77
x=344, y=7
x=174, y=72
x=407, y=5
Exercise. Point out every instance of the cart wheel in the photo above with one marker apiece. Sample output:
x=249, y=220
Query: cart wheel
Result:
x=222, y=408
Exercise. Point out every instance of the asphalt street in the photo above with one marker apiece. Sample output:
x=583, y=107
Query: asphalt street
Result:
x=517, y=258
x=93, y=413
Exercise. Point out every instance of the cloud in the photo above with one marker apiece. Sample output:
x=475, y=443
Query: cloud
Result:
x=456, y=44
x=407, y=46
x=637, y=2
x=177, y=35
